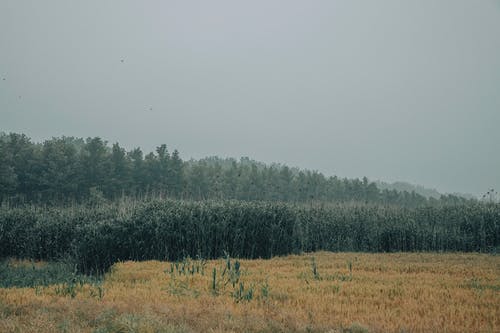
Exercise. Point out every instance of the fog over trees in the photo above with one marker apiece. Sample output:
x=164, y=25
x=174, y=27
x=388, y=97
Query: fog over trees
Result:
x=66, y=169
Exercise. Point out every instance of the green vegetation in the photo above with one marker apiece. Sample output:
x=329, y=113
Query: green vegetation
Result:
x=97, y=236
x=83, y=201
x=67, y=169
x=34, y=274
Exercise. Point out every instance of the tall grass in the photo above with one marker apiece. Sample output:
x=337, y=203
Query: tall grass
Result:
x=96, y=236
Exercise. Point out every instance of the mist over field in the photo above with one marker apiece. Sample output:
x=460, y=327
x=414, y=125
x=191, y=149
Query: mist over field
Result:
x=178, y=166
x=389, y=90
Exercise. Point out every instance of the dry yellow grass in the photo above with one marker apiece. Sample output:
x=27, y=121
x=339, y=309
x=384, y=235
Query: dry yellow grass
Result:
x=382, y=293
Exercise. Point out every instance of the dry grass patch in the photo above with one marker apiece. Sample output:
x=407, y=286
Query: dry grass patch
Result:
x=321, y=292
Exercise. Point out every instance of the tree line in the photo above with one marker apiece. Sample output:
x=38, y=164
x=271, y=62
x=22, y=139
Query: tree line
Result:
x=69, y=169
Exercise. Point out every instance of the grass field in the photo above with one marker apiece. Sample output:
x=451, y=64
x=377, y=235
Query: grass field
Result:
x=320, y=292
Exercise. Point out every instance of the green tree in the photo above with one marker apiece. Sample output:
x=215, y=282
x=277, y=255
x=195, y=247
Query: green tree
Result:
x=94, y=165
x=138, y=172
x=120, y=173
x=59, y=170
x=24, y=156
x=8, y=177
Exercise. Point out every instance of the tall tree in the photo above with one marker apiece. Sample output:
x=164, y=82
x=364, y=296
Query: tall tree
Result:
x=8, y=177
x=176, y=179
x=25, y=163
x=120, y=173
x=138, y=173
x=94, y=164
x=59, y=169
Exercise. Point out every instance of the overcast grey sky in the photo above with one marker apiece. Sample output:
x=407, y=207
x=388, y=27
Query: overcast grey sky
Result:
x=390, y=89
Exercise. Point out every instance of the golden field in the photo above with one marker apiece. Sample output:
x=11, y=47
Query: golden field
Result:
x=320, y=292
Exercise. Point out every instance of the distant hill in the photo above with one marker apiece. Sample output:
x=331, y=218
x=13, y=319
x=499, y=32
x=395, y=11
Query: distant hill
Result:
x=419, y=189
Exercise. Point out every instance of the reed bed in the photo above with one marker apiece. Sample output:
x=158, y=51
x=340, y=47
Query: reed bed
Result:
x=95, y=237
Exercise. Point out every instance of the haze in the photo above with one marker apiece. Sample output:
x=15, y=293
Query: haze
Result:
x=394, y=90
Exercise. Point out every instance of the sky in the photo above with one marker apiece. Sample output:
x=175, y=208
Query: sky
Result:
x=392, y=90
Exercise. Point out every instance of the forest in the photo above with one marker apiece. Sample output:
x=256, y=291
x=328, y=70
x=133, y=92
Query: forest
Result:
x=67, y=170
